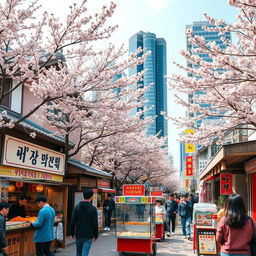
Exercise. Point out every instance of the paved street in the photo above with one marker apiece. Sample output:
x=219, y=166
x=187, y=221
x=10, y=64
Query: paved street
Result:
x=106, y=246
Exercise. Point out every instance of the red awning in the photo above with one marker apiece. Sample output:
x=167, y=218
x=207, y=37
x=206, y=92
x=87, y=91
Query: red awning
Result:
x=108, y=190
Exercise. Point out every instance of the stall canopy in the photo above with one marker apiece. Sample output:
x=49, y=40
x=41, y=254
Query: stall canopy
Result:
x=86, y=169
x=230, y=158
x=108, y=190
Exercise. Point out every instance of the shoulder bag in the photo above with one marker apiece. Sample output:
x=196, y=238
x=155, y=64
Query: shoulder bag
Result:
x=253, y=241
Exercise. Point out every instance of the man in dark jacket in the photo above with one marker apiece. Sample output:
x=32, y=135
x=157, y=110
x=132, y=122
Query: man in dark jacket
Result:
x=185, y=209
x=4, y=209
x=18, y=209
x=84, y=224
x=108, y=206
x=171, y=207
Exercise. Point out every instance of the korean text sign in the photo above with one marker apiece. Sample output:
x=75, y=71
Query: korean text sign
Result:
x=226, y=183
x=20, y=153
x=156, y=191
x=189, y=165
x=133, y=190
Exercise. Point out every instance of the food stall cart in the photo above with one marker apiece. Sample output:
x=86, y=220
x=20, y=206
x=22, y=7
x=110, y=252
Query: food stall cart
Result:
x=205, y=223
x=135, y=225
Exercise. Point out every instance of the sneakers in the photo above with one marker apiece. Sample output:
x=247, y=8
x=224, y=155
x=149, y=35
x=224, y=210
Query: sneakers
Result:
x=184, y=237
x=168, y=234
x=106, y=228
x=189, y=238
x=173, y=234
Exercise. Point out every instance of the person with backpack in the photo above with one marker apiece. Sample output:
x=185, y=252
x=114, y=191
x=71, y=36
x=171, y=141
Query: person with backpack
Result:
x=236, y=229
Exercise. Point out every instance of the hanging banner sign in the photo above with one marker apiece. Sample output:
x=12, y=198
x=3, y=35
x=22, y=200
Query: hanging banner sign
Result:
x=226, y=184
x=133, y=190
x=186, y=184
x=23, y=154
x=189, y=165
x=190, y=148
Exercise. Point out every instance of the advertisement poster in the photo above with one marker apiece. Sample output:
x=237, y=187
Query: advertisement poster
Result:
x=226, y=184
x=4, y=189
x=206, y=242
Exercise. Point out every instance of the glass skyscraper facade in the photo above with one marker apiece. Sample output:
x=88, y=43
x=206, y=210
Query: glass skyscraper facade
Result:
x=155, y=72
x=209, y=36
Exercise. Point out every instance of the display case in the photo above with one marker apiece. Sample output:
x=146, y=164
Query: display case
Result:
x=135, y=225
x=135, y=220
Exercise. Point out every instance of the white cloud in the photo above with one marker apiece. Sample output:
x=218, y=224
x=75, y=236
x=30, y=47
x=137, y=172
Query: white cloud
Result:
x=158, y=5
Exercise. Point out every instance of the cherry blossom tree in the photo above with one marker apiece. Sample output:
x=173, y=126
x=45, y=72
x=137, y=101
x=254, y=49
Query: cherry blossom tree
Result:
x=130, y=158
x=227, y=83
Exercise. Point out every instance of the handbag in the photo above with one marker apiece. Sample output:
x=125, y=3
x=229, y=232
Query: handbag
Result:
x=253, y=241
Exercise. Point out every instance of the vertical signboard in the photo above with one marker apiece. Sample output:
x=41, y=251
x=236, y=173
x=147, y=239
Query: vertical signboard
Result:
x=226, y=183
x=190, y=148
x=189, y=165
x=186, y=184
x=206, y=242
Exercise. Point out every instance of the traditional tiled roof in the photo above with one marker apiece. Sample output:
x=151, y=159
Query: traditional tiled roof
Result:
x=88, y=168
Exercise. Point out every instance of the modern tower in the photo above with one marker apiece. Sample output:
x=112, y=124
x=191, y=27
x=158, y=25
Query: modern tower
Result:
x=155, y=72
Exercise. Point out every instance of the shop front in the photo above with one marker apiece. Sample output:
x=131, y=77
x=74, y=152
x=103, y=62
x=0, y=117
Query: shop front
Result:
x=80, y=176
x=226, y=174
x=29, y=169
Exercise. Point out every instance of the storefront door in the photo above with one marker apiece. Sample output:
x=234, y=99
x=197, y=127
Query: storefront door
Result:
x=254, y=196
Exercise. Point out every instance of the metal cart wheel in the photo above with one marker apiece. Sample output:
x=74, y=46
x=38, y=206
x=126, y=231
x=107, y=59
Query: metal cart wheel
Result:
x=154, y=249
x=121, y=253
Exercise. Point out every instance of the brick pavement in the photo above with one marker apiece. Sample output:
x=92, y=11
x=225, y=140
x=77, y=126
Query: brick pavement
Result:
x=106, y=246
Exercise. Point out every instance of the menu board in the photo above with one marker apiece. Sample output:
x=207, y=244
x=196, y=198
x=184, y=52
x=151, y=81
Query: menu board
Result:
x=206, y=242
x=203, y=218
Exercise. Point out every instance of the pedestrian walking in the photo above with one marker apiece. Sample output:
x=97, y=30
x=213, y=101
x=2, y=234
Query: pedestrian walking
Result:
x=108, y=207
x=171, y=207
x=44, y=227
x=235, y=229
x=84, y=224
x=184, y=209
x=4, y=209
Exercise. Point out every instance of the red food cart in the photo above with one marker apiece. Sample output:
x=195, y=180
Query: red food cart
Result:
x=135, y=225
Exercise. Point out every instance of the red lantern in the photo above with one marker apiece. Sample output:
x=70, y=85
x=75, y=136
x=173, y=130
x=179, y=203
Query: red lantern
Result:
x=11, y=188
x=19, y=184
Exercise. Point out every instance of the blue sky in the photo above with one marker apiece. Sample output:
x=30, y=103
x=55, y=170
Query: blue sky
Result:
x=165, y=18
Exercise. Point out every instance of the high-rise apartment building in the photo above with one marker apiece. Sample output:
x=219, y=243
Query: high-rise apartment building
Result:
x=155, y=72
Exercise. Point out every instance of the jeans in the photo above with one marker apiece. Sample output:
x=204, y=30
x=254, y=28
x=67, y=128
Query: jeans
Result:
x=108, y=218
x=83, y=246
x=43, y=249
x=170, y=219
x=232, y=254
x=185, y=224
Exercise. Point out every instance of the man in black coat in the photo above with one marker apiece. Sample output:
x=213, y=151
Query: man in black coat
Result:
x=108, y=206
x=4, y=209
x=171, y=207
x=18, y=209
x=84, y=224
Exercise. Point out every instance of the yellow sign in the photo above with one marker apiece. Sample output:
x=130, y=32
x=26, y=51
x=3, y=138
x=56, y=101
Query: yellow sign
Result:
x=28, y=174
x=190, y=131
x=144, y=199
x=190, y=148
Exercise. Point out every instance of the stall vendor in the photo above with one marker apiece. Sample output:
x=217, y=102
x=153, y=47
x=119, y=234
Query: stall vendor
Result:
x=160, y=209
x=18, y=209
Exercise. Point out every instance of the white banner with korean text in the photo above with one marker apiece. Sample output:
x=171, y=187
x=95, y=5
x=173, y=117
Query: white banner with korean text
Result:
x=27, y=155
